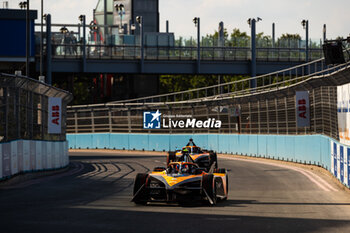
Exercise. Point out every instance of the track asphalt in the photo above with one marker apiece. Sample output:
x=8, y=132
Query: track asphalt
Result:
x=94, y=196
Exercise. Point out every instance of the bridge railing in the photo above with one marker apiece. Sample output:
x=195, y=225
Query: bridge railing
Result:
x=100, y=51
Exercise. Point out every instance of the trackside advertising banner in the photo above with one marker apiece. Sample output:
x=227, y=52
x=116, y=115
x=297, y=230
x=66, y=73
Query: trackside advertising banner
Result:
x=55, y=115
x=302, y=108
x=340, y=162
x=156, y=120
x=343, y=99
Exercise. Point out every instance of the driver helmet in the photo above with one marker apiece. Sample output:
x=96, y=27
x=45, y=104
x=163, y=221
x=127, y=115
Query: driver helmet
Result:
x=185, y=169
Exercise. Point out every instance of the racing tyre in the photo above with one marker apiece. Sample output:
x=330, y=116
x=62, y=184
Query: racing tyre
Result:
x=171, y=157
x=209, y=185
x=139, y=181
x=213, y=158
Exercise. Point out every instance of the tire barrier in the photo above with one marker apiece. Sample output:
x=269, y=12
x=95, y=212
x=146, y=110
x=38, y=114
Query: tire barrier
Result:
x=22, y=156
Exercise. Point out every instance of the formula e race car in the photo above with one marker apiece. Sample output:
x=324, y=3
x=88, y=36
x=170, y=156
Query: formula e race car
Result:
x=181, y=182
x=192, y=153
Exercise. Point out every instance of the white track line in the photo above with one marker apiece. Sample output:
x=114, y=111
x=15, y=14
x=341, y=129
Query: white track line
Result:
x=311, y=176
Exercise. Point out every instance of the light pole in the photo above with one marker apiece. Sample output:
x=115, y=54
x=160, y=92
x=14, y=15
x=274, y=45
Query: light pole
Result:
x=305, y=24
x=139, y=20
x=25, y=5
x=121, y=11
x=252, y=24
x=324, y=33
x=197, y=23
x=273, y=35
x=82, y=19
x=49, y=49
x=41, y=39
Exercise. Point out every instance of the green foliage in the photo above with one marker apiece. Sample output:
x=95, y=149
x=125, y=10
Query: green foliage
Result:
x=81, y=90
x=176, y=83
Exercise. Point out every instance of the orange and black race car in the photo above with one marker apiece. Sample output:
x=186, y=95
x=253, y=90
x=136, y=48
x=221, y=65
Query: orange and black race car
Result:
x=192, y=153
x=181, y=182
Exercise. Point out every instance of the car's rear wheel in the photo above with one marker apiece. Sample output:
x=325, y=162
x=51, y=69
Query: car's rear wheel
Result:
x=140, y=180
x=209, y=185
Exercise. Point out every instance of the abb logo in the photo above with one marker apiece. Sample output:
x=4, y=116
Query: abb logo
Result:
x=55, y=114
x=302, y=108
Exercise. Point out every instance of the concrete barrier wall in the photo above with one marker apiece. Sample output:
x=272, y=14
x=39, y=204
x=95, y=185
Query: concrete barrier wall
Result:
x=29, y=155
x=309, y=149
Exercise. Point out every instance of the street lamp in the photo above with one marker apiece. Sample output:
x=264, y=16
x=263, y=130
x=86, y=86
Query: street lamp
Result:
x=139, y=20
x=81, y=18
x=22, y=5
x=250, y=20
x=305, y=24
x=121, y=11
x=252, y=25
x=197, y=23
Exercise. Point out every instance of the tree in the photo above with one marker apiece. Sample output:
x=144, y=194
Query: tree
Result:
x=239, y=39
x=289, y=41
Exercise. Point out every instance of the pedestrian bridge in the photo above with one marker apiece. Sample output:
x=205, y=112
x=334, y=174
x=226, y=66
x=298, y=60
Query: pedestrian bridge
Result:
x=125, y=59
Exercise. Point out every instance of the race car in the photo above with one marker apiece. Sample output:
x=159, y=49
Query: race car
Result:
x=204, y=158
x=181, y=182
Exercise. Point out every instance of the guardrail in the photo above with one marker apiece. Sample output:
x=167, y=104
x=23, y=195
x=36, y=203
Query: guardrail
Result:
x=23, y=156
x=121, y=52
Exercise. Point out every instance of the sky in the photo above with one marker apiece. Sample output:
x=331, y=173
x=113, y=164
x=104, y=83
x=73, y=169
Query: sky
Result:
x=286, y=14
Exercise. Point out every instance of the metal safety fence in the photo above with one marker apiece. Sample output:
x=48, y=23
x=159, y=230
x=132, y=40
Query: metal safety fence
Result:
x=274, y=113
x=24, y=109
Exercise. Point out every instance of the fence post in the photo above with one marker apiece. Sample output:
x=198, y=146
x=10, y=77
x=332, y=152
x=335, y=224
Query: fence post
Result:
x=314, y=106
x=30, y=115
x=76, y=121
x=249, y=119
x=267, y=116
x=259, y=116
x=276, y=111
x=129, y=120
x=92, y=121
x=42, y=97
x=17, y=112
x=110, y=120
x=5, y=113
x=286, y=110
